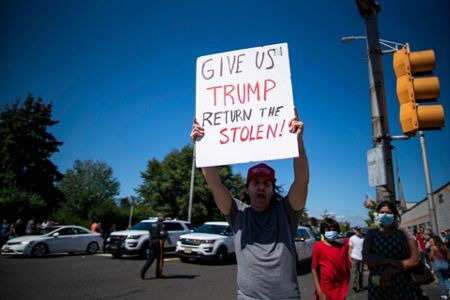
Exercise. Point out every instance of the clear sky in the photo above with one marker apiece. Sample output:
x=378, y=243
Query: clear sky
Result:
x=121, y=77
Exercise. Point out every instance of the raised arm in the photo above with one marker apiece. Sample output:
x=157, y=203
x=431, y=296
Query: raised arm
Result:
x=221, y=194
x=299, y=188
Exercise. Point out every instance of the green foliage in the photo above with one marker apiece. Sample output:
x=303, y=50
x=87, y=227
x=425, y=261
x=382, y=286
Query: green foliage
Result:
x=166, y=187
x=345, y=226
x=371, y=220
x=27, y=176
x=304, y=217
x=89, y=190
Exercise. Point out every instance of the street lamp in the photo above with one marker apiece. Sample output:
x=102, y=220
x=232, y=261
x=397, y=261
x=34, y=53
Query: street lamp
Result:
x=191, y=189
x=393, y=46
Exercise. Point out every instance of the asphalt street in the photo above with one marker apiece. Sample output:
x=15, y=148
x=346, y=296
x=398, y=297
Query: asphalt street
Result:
x=101, y=277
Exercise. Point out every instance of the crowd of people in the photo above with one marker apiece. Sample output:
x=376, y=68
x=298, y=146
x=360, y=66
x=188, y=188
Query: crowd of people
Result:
x=265, y=223
x=32, y=226
x=19, y=228
x=434, y=251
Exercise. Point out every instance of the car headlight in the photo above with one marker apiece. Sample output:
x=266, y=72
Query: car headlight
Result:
x=26, y=242
x=134, y=237
x=207, y=241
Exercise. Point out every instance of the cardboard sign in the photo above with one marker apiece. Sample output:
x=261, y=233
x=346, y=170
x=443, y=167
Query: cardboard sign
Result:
x=244, y=102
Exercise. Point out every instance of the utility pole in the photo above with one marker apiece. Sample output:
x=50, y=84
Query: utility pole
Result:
x=380, y=126
x=130, y=218
x=426, y=171
x=191, y=189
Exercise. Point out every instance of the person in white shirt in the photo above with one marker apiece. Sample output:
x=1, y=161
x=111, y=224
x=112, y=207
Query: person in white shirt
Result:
x=355, y=249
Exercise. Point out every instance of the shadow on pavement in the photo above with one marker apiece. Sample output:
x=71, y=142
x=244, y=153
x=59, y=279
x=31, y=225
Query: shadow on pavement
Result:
x=174, y=277
x=304, y=268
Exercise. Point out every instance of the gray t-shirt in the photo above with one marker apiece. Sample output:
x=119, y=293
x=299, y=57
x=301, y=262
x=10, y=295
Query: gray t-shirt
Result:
x=265, y=250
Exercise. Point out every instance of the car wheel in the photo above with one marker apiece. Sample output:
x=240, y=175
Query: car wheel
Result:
x=92, y=248
x=221, y=255
x=39, y=250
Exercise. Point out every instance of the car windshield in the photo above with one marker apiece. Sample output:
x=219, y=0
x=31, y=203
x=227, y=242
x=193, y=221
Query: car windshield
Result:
x=214, y=229
x=142, y=226
x=302, y=233
x=48, y=230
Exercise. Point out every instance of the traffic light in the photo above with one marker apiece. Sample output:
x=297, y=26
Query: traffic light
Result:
x=415, y=85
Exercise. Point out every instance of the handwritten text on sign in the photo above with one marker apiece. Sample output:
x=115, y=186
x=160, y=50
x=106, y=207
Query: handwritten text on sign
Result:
x=244, y=101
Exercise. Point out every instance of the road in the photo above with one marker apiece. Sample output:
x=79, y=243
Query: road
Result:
x=101, y=277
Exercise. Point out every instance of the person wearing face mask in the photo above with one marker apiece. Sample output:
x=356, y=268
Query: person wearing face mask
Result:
x=389, y=252
x=330, y=266
x=355, y=247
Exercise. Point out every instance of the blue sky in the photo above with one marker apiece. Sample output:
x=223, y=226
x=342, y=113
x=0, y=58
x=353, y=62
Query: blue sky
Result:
x=121, y=77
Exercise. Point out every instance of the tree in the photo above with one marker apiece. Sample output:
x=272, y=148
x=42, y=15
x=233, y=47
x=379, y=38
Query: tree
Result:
x=166, y=187
x=28, y=178
x=327, y=214
x=371, y=214
x=89, y=189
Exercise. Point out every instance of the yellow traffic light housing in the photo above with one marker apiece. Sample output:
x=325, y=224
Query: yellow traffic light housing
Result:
x=413, y=89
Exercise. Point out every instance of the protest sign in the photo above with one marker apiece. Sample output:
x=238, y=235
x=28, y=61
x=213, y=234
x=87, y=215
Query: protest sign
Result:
x=244, y=102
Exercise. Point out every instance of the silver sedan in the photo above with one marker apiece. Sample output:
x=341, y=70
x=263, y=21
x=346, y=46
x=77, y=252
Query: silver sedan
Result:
x=56, y=239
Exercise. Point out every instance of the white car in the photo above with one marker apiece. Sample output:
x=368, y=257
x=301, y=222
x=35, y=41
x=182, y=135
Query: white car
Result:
x=213, y=241
x=136, y=239
x=304, y=243
x=56, y=239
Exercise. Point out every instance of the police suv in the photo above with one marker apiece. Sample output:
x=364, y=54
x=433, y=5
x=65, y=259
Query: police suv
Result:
x=136, y=239
x=213, y=241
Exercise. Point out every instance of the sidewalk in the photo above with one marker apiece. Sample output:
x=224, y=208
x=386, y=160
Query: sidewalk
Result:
x=432, y=290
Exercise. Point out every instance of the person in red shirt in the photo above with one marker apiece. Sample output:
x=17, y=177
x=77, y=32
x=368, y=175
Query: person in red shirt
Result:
x=95, y=226
x=420, y=237
x=330, y=265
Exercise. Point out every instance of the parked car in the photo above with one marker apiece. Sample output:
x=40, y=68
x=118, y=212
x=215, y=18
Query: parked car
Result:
x=136, y=239
x=304, y=243
x=213, y=241
x=56, y=239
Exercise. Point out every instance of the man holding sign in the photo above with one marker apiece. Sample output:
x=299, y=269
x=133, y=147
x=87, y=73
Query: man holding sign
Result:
x=244, y=107
x=265, y=226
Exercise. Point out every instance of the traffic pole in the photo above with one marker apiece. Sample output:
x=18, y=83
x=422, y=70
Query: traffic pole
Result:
x=380, y=126
x=426, y=171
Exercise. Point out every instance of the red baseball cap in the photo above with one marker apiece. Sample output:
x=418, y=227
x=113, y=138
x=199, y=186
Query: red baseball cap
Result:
x=261, y=170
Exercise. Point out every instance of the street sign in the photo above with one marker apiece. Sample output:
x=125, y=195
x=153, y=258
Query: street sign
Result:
x=376, y=166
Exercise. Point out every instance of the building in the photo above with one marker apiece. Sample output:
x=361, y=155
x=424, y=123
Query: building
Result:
x=419, y=213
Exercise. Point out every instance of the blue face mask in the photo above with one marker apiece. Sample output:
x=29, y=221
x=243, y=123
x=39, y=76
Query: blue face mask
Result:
x=385, y=220
x=331, y=235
